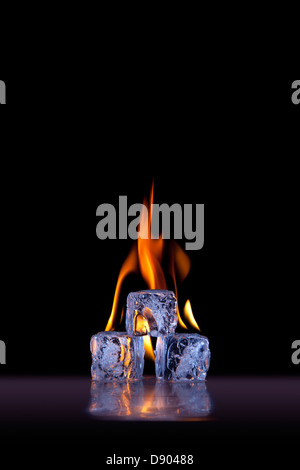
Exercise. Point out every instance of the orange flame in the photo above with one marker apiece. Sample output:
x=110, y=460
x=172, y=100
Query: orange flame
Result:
x=129, y=266
x=188, y=314
x=149, y=353
x=150, y=257
x=150, y=251
x=147, y=256
x=179, y=262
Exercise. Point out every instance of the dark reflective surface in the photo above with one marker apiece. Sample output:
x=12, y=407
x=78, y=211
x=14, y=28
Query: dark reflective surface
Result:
x=71, y=405
x=149, y=399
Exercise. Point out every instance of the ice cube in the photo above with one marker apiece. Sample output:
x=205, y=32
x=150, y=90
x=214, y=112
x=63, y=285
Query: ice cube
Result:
x=182, y=357
x=117, y=356
x=151, y=312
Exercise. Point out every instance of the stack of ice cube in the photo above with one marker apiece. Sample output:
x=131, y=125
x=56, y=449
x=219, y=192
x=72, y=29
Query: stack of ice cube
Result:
x=178, y=356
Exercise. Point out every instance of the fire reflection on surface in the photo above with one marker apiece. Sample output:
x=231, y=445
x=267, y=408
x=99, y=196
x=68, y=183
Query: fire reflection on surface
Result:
x=149, y=399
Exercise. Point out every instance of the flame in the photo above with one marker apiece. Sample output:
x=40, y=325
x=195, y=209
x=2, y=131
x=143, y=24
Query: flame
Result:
x=150, y=251
x=129, y=266
x=146, y=256
x=188, y=314
x=122, y=314
x=141, y=324
x=149, y=353
x=181, y=263
x=150, y=257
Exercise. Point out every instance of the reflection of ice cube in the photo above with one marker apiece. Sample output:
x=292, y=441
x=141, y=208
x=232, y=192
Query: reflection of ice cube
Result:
x=151, y=312
x=184, y=399
x=149, y=399
x=116, y=399
x=182, y=357
x=117, y=356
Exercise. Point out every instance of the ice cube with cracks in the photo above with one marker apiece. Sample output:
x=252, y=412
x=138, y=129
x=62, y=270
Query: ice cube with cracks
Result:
x=151, y=312
x=117, y=355
x=182, y=356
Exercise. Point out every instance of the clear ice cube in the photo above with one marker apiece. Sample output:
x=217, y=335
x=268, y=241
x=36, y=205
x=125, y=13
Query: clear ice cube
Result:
x=182, y=357
x=151, y=312
x=117, y=356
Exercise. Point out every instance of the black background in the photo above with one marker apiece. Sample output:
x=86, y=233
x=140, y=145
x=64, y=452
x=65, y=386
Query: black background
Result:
x=228, y=140
x=234, y=149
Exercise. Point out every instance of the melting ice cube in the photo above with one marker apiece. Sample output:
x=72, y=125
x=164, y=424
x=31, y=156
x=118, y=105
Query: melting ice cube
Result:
x=151, y=312
x=117, y=356
x=182, y=357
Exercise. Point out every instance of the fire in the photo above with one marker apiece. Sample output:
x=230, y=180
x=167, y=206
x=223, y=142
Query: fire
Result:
x=129, y=266
x=150, y=251
x=149, y=353
x=146, y=257
x=179, y=262
x=188, y=314
x=150, y=254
